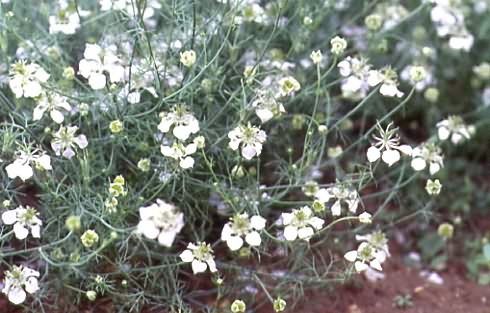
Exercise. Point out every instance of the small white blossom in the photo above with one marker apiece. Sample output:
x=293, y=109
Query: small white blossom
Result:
x=387, y=146
x=200, y=255
x=340, y=193
x=372, y=252
x=454, y=127
x=26, y=79
x=300, y=223
x=182, y=120
x=180, y=152
x=55, y=104
x=267, y=105
x=365, y=218
x=18, y=281
x=65, y=142
x=188, y=58
x=241, y=225
x=25, y=220
x=24, y=162
x=355, y=70
x=316, y=56
x=338, y=45
x=288, y=85
x=96, y=62
x=250, y=138
x=388, y=80
x=160, y=220
x=427, y=153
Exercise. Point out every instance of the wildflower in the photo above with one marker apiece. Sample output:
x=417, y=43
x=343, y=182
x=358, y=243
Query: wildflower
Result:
x=300, y=223
x=188, y=58
x=316, y=56
x=181, y=153
x=26, y=79
x=338, y=45
x=96, y=61
x=73, y=223
x=91, y=295
x=66, y=21
x=240, y=226
x=116, y=126
x=65, y=141
x=417, y=76
x=445, y=230
x=334, y=152
x=160, y=220
x=288, y=85
x=365, y=218
x=355, y=70
x=267, y=106
x=200, y=255
x=342, y=194
x=54, y=104
x=310, y=188
x=373, y=22
x=387, y=146
x=69, y=73
x=251, y=139
x=183, y=121
x=116, y=188
x=89, y=238
x=25, y=220
x=372, y=252
x=455, y=128
x=144, y=165
x=238, y=306
x=388, y=80
x=431, y=94
x=279, y=304
x=18, y=281
x=433, y=187
x=24, y=160
x=427, y=153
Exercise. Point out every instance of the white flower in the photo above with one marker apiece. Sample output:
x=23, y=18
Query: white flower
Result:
x=453, y=127
x=288, y=85
x=300, y=223
x=200, y=255
x=180, y=152
x=355, y=71
x=183, y=121
x=316, y=56
x=389, y=82
x=449, y=19
x=96, y=61
x=160, y=220
x=240, y=226
x=267, y=105
x=341, y=193
x=65, y=141
x=427, y=153
x=365, y=218
x=188, y=58
x=26, y=79
x=25, y=220
x=338, y=45
x=372, y=252
x=251, y=139
x=17, y=281
x=22, y=167
x=66, y=21
x=54, y=104
x=412, y=74
x=387, y=146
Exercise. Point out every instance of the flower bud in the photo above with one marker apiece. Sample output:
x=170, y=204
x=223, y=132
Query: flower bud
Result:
x=91, y=295
x=446, y=230
x=188, y=58
x=373, y=22
x=279, y=305
x=316, y=56
x=144, y=165
x=338, y=45
x=238, y=306
x=433, y=187
x=73, y=223
x=89, y=238
x=116, y=126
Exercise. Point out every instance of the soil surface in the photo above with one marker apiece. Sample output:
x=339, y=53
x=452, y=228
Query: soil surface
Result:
x=456, y=295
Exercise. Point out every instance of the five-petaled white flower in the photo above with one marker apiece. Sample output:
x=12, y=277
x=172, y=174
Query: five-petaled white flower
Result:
x=24, y=162
x=387, y=146
x=96, y=61
x=160, y=220
x=17, y=281
x=250, y=137
x=200, y=255
x=65, y=141
x=355, y=70
x=300, y=223
x=180, y=152
x=54, y=104
x=427, y=153
x=372, y=252
x=183, y=121
x=26, y=79
x=455, y=128
x=341, y=193
x=241, y=225
x=25, y=220
x=267, y=105
x=388, y=79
